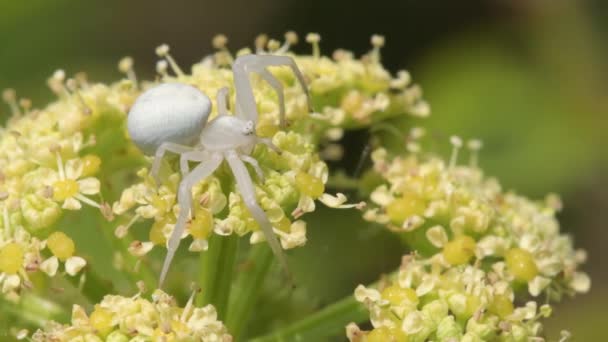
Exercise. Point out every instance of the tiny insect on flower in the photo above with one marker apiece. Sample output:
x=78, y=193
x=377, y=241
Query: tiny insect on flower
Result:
x=171, y=116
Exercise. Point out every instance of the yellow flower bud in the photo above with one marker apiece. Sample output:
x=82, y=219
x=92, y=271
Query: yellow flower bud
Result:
x=64, y=189
x=501, y=306
x=101, y=320
x=384, y=334
x=521, y=264
x=156, y=233
x=61, y=245
x=11, y=258
x=202, y=224
x=405, y=207
x=460, y=250
x=284, y=224
x=309, y=185
x=397, y=295
x=90, y=165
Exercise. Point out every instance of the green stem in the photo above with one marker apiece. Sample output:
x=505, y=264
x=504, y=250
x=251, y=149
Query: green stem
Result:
x=35, y=310
x=217, y=266
x=94, y=287
x=327, y=322
x=247, y=289
x=136, y=269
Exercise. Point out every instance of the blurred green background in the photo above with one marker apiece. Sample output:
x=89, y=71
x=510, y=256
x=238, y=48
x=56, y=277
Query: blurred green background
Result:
x=529, y=78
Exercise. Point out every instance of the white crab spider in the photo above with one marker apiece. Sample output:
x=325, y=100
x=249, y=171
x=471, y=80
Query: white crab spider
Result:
x=171, y=116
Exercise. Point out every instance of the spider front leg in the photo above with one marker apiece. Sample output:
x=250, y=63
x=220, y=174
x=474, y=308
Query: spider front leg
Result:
x=247, y=64
x=256, y=166
x=247, y=190
x=160, y=153
x=184, y=198
x=195, y=156
x=223, y=101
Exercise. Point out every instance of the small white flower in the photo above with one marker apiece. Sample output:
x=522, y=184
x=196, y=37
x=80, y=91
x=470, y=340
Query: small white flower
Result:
x=50, y=266
x=74, y=264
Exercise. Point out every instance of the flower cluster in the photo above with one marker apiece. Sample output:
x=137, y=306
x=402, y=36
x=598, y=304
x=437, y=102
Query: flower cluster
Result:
x=118, y=319
x=349, y=92
x=47, y=166
x=291, y=182
x=457, y=212
x=51, y=158
x=431, y=300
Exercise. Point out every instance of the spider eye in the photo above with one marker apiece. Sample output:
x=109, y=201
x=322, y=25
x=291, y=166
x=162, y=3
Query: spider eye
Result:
x=248, y=129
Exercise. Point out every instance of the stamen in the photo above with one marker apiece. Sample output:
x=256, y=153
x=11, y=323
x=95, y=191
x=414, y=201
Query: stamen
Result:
x=122, y=230
x=189, y=304
x=219, y=42
x=291, y=38
x=82, y=79
x=26, y=104
x=55, y=83
x=273, y=45
x=125, y=66
x=456, y=145
x=223, y=56
x=59, y=162
x=402, y=80
x=474, y=146
x=260, y=43
x=342, y=55
x=377, y=43
x=10, y=97
x=314, y=39
x=73, y=88
x=161, y=68
x=88, y=201
x=163, y=51
x=7, y=224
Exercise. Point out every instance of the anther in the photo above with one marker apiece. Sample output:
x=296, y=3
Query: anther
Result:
x=402, y=80
x=163, y=51
x=474, y=146
x=273, y=45
x=260, y=42
x=342, y=55
x=314, y=39
x=10, y=97
x=55, y=83
x=291, y=38
x=456, y=145
x=82, y=79
x=222, y=56
x=72, y=85
x=219, y=42
x=377, y=43
x=125, y=66
x=26, y=104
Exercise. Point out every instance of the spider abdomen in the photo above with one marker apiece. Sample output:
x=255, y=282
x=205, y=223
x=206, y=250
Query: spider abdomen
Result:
x=169, y=112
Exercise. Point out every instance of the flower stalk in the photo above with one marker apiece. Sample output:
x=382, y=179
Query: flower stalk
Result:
x=216, y=272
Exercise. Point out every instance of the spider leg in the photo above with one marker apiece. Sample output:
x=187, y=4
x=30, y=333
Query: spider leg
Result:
x=278, y=88
x=197, y=156
x=244, y=65
x=245, y=186
x=184, y=196
x=264, y=61
x=268, y=142
x=256, y=166
x=160, y=152
x=246, y=107
x=223, y=101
